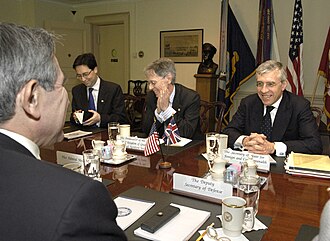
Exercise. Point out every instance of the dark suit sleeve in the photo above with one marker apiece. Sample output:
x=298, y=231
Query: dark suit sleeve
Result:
x=237, y=126
x=187, y=116
x=90, y=216
x=76, y=96
x=114, y=107
x=149, y=115
x=303, y=135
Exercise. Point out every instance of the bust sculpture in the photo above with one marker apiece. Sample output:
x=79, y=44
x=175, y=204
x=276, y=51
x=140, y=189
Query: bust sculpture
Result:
x=208, y=66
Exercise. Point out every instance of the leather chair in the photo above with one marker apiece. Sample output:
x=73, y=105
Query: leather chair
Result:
x=134, y=114
x=211, y=116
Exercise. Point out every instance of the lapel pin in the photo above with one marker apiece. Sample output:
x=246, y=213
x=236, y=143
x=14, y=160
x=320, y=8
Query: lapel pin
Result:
x=102, y=101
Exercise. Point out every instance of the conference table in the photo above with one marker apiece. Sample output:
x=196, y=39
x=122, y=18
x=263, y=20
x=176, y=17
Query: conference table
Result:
x=292, y=203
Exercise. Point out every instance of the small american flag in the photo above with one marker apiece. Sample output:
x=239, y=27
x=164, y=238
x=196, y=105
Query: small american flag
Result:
x=152, y=144
x=295, y=68
x=171, y=133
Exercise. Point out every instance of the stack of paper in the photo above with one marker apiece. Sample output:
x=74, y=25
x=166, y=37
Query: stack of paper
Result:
x=308, y=165
x=181, y=227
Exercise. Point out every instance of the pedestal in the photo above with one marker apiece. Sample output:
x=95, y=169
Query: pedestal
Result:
x=206, y=86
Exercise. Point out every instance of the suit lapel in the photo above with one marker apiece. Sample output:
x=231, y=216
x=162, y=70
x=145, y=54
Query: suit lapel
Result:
x=100, y=97
x=282, y=118
x=257, y=114
x=176, y=101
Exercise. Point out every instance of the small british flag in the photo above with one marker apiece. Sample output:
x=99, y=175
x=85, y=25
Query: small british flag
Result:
x=171, y=133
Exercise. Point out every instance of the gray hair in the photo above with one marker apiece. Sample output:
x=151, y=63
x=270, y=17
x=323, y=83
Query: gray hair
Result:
x=272, y=65
x=25, y=54
x=162, y=67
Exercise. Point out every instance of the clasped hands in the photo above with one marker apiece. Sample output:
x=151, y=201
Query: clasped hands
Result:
x=258, y=144
x=163, y=100
x=91, y=121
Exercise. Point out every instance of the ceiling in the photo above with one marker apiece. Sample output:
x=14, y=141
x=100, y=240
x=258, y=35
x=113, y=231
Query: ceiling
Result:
x=73, y=2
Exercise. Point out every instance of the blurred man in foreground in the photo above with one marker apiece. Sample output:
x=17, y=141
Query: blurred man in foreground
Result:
x=40, y=200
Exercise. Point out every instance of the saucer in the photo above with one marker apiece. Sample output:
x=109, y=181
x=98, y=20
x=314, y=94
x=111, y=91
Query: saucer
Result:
x=119, y=157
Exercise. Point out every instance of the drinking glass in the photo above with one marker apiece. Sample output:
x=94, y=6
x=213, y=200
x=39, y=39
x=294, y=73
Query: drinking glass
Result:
x=91, y=161
x=113, y=130
x=212, y=145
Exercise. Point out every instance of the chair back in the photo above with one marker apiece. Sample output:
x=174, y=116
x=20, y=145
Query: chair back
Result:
x=211, y=116
x=134, y=108
x=317, y=112
x=137, y=87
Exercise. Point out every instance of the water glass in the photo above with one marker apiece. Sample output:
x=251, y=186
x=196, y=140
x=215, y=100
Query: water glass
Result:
x=91, y=161
x=113, y=130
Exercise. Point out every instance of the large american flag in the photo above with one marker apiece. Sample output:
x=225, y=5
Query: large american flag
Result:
x=171, y=133
x=152, y=144
x=294, y=68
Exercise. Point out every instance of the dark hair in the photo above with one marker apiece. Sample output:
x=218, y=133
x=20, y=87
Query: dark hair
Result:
x=87, y=59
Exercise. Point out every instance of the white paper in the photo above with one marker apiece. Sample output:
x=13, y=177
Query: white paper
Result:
x=181, y=227
x=131, y=210
x=76, y=134
x=80, y=116
x=183, y=142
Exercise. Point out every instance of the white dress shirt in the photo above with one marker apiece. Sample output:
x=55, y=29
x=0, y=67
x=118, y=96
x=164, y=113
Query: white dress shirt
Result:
x=27, y=143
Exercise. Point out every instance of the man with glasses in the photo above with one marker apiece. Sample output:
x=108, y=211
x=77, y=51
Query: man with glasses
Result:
x=169, y=99
x=102, y=101
x=274, y=121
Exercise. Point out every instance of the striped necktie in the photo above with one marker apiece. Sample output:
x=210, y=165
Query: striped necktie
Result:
x=91, y=103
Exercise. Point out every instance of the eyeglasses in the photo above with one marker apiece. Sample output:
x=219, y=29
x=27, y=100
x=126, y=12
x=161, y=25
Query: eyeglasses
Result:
x=83, y=75
x=261, y=84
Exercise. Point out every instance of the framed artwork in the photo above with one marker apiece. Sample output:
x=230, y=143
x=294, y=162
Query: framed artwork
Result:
x=182, y=46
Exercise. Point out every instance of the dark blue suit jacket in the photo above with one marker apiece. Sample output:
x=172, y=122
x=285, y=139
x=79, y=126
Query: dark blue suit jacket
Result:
x=43, y=201
x=110, y=103
x=294, y=123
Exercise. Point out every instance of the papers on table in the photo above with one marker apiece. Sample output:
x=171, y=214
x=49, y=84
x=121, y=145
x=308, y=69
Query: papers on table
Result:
x=76, y=134
x=183, y=142
x=308, y=165
x=130, y=210
x=181, y=227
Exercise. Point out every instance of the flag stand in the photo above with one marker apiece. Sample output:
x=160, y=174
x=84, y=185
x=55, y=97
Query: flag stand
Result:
x=163, y=164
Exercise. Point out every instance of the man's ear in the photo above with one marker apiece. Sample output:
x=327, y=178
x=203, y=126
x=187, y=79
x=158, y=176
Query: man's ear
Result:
x=30, y=99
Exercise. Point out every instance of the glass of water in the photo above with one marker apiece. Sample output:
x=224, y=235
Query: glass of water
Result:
x=113, y=130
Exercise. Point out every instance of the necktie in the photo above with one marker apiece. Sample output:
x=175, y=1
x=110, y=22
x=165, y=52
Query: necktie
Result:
x=91, y=103
x=266, y=125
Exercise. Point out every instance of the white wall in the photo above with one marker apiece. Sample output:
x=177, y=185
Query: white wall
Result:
x=149, y=17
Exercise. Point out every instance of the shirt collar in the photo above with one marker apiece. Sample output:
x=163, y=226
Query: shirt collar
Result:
x=27, y=143
x=96, y=86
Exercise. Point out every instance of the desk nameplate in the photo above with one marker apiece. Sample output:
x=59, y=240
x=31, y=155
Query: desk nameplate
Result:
x=201, y=188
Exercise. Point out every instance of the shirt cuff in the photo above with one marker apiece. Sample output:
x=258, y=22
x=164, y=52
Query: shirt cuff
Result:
x=280, y=149
x=239, y=143
x=164, y=115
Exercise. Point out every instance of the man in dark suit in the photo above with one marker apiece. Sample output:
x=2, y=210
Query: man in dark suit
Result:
x=292, y=124
x=41, y=200
x=107, y=96
x=168, y=99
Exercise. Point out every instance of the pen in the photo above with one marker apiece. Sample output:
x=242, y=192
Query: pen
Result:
x=203, y=234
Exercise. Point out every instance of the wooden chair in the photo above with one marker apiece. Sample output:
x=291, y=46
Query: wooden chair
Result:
x=134, y=114
x=137, y=87
x=211, y=115
x=317, y=112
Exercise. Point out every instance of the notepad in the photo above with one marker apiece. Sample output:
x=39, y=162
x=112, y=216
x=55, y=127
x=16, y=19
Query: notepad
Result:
x=181, y=227
x=130, y=210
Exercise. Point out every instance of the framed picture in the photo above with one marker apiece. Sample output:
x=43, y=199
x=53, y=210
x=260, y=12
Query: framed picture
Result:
x=182, y=46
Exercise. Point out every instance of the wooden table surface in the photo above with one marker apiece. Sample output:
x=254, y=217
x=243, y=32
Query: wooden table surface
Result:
x=290, y=201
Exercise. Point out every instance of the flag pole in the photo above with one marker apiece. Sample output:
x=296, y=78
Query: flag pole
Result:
x=163, y=164
x=316, y=83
